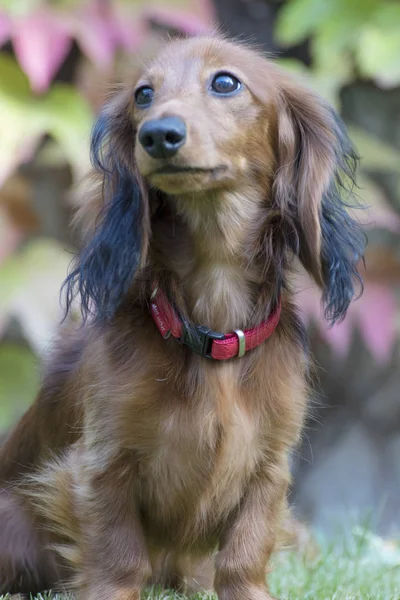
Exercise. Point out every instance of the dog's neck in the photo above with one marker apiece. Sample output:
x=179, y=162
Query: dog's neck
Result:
x=214, y=237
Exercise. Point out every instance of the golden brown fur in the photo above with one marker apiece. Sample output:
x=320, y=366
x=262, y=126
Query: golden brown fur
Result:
x=138, y=456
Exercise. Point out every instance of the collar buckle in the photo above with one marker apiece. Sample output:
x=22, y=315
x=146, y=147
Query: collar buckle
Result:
x=199, y=339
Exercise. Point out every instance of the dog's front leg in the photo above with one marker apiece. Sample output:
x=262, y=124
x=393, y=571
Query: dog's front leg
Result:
x=249, y=538
x=116, y=564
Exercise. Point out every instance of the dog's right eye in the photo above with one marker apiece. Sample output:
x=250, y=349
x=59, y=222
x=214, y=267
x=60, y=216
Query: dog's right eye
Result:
x=144, y=96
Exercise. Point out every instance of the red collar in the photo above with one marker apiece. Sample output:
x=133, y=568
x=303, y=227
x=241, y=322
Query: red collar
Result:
x=204, y=341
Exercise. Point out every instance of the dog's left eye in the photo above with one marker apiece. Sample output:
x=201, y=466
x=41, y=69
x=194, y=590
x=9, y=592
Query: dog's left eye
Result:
x=225, y=84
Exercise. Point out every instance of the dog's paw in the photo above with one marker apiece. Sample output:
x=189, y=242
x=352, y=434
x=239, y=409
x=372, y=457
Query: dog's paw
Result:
x=106, y=591
x=244, y=592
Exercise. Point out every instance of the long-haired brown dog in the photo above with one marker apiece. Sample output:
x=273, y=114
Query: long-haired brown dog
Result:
x=143, y=455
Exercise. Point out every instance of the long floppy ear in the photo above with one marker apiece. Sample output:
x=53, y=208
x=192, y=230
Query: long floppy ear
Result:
x=313, y=184
x=117, y=246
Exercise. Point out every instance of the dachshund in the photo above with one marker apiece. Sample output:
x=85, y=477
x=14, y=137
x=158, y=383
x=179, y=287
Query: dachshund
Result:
x=161, y=437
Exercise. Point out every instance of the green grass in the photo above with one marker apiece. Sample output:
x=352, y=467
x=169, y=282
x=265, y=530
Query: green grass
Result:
x=362, y=568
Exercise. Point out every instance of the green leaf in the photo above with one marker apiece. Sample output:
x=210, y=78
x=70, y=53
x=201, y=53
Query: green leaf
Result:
x=295, y=66
x=24, y=124
x=19, y=376
x=21, y=131
x=63, y=113
x=11, y=281
x=326, y=84
x=387, y=16
x=378, y=55
x=69, y=122
x=331, y=45
x=375, y=154
x=19, y=8
x=333, y=66
x=298, y=19
x=30, y=283
x=13, y=82
x=371, y=194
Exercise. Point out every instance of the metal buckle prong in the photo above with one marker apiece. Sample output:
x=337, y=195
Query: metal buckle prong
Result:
x=200, y=341
x=154, y=292
x=242, y=343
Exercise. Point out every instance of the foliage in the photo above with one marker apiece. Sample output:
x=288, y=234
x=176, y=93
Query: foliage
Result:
x=350, y=39
x=30, y=281
x=62, y=113
x=47, y=122
x=42, y=33
x=19, y=380
x=374, y=314
x=347, y=37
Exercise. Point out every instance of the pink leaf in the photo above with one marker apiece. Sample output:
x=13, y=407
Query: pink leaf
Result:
x=94, y=29
x=387, y=219
x=41, y=43
x=207, y=10
x=129, y=28
x=377, y=320
x=183, y=21
x=338, y=336
x=5, y=28
x=308, y=298
x=374, y=313
x=380, y=216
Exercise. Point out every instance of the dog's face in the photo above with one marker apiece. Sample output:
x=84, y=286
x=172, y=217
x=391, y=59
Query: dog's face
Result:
x=199, y=118
x=214, y=120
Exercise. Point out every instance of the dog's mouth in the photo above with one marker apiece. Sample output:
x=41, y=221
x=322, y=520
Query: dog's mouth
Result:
x=181, y=170
x=180, y=179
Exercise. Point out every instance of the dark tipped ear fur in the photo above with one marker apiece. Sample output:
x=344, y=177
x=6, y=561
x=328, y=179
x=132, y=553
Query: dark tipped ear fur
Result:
x=105, y=269
x=313, y=184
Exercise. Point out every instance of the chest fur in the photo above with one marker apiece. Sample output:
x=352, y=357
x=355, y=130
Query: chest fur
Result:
x=198, y=453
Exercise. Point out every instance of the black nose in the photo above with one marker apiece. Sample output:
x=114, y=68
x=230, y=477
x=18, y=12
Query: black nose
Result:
x=162, y=138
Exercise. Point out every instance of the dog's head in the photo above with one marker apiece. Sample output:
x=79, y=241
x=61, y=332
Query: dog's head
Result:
x=209, y=115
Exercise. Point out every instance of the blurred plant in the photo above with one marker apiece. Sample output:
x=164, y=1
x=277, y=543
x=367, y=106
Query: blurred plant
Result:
x=62, y=113
x=349, y=39
x=375, y=312
x=19, y=376
x=57, y=59
x=42, y=33
x=339, y=32
x=30, y=283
